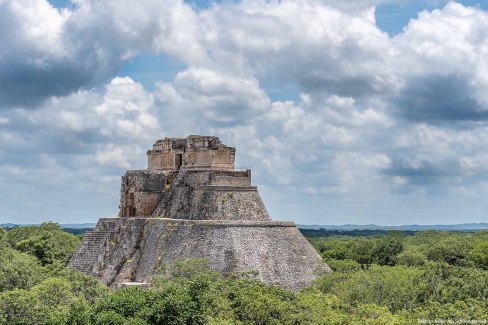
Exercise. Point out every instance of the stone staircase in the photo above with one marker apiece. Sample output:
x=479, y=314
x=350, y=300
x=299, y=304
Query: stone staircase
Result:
x=91, y=246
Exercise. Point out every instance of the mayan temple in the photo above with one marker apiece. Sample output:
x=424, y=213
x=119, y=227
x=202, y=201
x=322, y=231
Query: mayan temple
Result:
x=191, y=202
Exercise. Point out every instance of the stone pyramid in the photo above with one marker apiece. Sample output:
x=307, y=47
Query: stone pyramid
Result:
x=192, y=203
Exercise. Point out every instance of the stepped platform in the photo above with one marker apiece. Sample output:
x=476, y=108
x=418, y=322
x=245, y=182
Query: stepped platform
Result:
x=275, y=250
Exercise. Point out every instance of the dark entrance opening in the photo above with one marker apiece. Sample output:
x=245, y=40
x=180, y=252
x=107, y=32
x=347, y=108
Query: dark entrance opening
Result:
x=131, y=210
x=178, y=158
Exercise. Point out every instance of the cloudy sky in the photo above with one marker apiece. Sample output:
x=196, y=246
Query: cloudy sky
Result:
x=359, y=111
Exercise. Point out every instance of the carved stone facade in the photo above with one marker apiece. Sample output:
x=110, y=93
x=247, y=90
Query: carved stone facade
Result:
x=194, y=152
x=191, y=203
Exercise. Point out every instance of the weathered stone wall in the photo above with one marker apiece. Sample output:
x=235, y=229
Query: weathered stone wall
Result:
x=194, y=152
x=161, y=161
x=121, y=247
x=231, y=181
x=214, y=177
x=199, y=142
x=202, y=194
x=137, y=247
x=170, y=144
x=141, y=191
x=212, y=203
x=222, y=159
x=277, y=251
x=195, y=195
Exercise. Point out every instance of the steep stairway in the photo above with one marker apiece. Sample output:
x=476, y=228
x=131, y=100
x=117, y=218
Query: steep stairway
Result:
x=92, y=244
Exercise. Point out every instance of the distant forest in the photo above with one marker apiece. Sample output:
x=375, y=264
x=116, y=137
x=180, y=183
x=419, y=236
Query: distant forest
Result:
x=77, y=231
x=353, y=233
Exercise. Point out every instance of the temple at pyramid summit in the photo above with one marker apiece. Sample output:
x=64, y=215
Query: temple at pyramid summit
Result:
x=191, y=202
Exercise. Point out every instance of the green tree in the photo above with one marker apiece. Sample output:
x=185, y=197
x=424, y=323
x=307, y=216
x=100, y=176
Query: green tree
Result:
x=256, y=303
x=18, y=270
x=79, y=313
x=174, y=305
x=82, y=285
x=479, y=255
x=108, y=318
x=411, y=257
x=335, y=249
x=386, y=249
x=127, y=303
x=14, y=235
x=445, y=283
x=322, y=309
x=343, y=266
x=372, y=314
x=183, y=271
x=469, y=309
x=452, y=250
x=56, y=296
x=21, y=307
x=54, y=292
x=392, y=287
x=48, y=242
x=50, y=245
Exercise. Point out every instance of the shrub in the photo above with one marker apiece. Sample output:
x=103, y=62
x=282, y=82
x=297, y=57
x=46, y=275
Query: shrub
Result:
x=18, y=270
x=411, y=257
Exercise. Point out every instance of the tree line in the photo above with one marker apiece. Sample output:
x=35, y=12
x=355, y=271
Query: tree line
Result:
x=387, y=279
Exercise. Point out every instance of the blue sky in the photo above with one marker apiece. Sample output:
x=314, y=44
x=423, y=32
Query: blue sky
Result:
x=393, y=17
x=365, y=111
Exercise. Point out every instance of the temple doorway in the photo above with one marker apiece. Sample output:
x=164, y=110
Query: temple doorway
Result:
x=178, y=159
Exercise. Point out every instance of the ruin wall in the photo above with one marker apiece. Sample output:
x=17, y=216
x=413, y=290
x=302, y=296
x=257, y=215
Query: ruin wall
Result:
x=137, y=248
